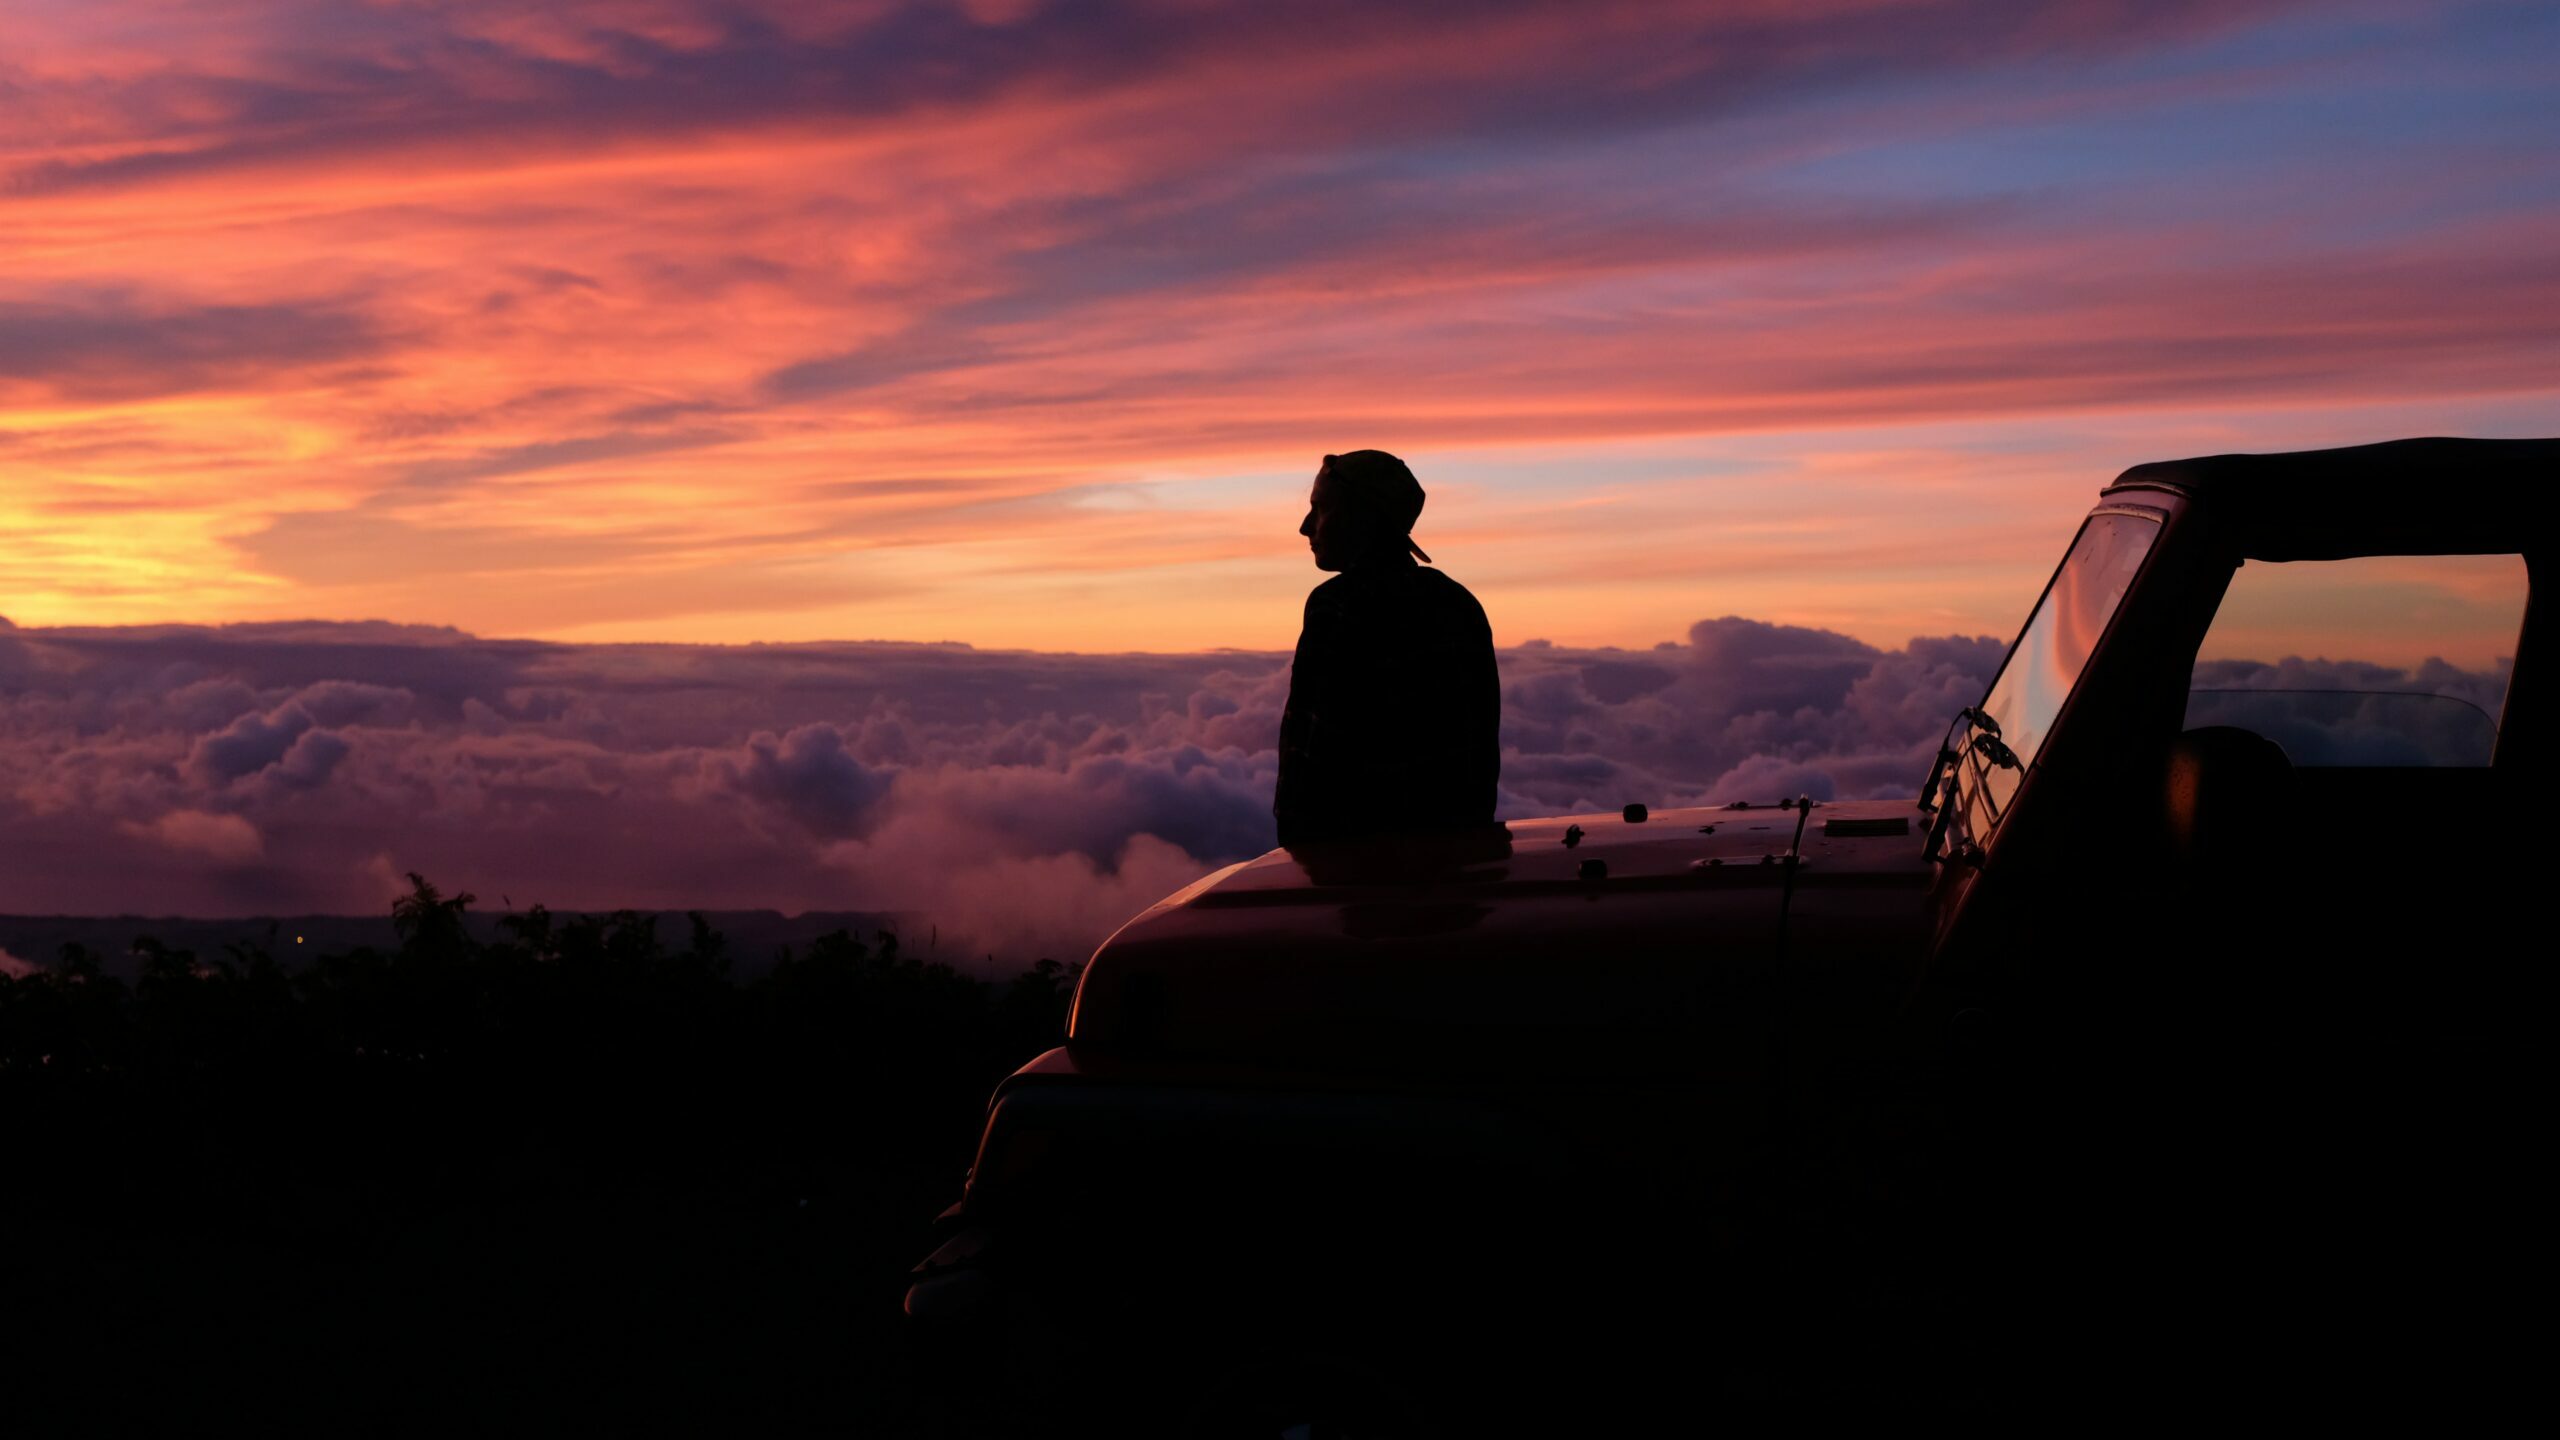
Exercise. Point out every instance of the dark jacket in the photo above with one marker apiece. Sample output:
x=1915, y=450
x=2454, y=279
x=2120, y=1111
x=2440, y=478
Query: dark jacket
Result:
x=1395, y=712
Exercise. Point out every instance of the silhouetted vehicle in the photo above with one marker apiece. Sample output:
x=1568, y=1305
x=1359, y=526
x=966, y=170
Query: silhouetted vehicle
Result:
x=2137, y=1064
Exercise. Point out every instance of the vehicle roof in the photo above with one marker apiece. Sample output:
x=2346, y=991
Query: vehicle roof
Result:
x=2434, y=496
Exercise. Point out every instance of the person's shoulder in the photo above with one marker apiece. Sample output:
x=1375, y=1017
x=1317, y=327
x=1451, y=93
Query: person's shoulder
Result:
x=1445, y=587
x=1434, y=575
x=1330, y=596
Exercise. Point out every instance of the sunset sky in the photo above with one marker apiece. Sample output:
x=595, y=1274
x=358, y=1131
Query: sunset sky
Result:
x=1024, y=324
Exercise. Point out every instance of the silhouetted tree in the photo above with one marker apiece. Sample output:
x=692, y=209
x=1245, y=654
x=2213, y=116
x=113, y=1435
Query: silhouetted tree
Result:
x=708, y=947
x=428, y=922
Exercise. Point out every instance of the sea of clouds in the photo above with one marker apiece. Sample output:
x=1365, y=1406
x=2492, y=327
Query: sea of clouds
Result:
x=1022, y=804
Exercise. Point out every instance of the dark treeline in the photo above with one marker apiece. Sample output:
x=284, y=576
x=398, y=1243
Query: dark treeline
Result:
x=576, y=1175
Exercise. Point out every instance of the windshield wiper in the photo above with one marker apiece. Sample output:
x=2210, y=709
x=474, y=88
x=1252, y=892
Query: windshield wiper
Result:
x=1934, y=795
x=1938, y=793
x=1995, y=750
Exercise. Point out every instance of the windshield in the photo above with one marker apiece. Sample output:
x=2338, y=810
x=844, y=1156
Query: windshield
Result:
x=2059, y=638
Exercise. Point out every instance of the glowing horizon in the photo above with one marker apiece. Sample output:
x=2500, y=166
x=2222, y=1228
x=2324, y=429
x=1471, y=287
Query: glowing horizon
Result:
x=1023, y=325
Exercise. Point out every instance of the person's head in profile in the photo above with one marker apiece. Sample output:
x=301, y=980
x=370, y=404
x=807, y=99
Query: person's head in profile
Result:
x=1362, y=509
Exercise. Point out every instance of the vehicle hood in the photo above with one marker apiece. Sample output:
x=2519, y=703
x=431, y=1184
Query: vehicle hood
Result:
x=1562, y=943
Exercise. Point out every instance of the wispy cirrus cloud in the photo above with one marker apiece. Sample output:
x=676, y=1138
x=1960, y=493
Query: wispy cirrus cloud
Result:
x=113, y=347
x=1023, y=322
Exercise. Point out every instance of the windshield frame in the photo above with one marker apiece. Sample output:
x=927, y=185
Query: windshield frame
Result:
x=1976, y=810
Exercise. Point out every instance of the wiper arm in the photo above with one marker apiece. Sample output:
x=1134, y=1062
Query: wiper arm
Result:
x=1995, y=750
x=1929, y=797
x=1983, y=744
x=1983, y=734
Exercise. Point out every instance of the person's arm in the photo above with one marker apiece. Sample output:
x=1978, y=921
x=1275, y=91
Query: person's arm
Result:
x=1447, y=745
x=1483, y=725
x=1302, y=804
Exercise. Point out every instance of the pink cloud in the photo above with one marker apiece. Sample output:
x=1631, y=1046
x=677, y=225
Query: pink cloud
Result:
x=726, y=320
x=1024, y=803
x=222, y=840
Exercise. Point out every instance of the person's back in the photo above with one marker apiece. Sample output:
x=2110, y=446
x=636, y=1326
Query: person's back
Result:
x=1394, y=714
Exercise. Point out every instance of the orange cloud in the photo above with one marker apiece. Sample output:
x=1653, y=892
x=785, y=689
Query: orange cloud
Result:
x=1024, y=323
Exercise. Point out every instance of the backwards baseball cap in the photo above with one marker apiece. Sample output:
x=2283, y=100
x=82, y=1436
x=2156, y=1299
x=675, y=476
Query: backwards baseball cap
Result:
x=1380, y=482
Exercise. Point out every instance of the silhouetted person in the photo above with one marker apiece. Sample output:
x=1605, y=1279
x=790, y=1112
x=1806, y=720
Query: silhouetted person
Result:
x=1394, y=709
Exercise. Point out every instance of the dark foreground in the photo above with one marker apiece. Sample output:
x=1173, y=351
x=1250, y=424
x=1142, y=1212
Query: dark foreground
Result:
x=573, y=1178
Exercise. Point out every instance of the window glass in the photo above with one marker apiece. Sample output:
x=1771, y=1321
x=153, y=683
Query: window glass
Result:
x=2038, y=675
x=2397, y=660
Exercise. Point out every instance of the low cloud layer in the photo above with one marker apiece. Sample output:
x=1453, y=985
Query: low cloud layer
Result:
x=1023, y=803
